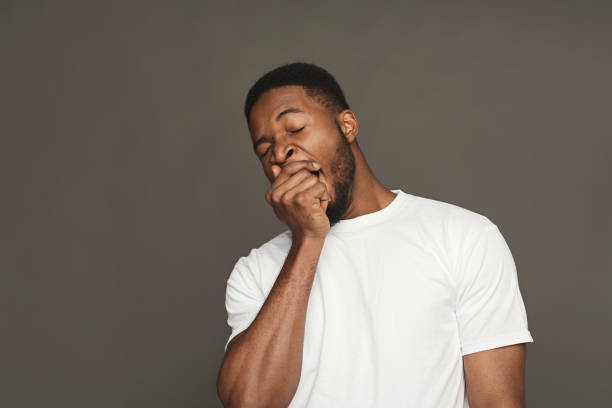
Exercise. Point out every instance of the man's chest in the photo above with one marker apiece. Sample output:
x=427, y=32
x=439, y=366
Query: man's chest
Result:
x=384, y=295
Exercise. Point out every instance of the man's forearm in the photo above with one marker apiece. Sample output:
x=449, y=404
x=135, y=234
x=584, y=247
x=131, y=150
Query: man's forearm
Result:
x=262, y=364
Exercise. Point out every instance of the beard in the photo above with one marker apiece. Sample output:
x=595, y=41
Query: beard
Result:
x=343, y=169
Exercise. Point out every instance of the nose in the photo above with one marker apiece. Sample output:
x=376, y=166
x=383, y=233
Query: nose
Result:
x=283, y=153
x=284, y=156
x=289, y=153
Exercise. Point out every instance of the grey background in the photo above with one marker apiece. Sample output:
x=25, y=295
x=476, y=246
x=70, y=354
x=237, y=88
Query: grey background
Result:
x=129, y=187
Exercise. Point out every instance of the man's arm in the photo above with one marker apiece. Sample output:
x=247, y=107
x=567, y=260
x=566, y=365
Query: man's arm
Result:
x=262, y=367
x=263, y=363
x=495, y=378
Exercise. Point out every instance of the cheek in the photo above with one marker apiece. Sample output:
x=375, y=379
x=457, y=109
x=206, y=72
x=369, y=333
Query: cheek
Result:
x=325, y=149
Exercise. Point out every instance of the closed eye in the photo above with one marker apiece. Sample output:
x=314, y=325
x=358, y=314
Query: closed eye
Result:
x=291, y=131
x=264, y=153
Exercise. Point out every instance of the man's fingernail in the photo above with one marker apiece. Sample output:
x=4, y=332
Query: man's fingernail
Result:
x=315, y=165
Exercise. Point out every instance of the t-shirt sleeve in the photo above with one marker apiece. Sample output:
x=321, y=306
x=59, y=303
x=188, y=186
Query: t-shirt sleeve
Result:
x=243, y=298
x=490, y=310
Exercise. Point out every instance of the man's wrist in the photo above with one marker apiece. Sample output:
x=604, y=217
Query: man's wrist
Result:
x=308, y=242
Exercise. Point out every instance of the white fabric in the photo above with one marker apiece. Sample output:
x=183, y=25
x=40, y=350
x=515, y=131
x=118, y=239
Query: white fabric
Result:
x=399, y=296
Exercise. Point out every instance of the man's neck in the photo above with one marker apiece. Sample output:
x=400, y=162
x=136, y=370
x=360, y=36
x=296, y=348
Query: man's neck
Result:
x=368, y=195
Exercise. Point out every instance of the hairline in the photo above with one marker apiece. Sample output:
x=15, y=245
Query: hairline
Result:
x=317, y=95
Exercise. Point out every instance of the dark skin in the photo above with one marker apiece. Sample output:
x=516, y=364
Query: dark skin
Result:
x=299, y=144
x=318, y=140
x=496, y=377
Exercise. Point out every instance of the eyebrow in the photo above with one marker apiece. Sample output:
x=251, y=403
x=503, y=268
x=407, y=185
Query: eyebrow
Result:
x=263, y=139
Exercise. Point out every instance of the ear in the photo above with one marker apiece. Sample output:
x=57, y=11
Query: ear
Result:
x=349, y=124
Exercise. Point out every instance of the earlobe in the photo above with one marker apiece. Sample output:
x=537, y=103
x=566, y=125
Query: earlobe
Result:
x=349, y=125
x=353, y=133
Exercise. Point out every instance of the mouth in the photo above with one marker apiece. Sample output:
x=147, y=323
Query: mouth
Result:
x=318, y=174
x=321, y=177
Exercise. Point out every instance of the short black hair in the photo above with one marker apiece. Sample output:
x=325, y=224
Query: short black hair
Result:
x=316, y=81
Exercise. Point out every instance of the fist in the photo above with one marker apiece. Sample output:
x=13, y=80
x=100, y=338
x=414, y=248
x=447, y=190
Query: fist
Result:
x=300, y=199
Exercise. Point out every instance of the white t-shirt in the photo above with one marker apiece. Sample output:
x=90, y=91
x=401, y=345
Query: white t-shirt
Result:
x=399, y=296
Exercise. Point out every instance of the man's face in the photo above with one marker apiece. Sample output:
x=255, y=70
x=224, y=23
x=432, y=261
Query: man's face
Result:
x=287, y=125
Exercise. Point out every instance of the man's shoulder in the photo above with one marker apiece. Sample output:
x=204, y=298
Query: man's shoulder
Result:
x=274, y=248
x=450, y=228
x=448, y=215
x=278, y=244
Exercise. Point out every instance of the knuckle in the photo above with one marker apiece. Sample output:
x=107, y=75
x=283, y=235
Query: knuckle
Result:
x=300, y=198
x=275, y=197
x=285, y=199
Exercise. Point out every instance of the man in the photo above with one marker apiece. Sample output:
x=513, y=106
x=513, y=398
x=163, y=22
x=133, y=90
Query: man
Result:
x=372, y=297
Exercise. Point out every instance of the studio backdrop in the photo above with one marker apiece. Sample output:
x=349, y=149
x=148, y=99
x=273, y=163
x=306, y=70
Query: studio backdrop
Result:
x=130, y=188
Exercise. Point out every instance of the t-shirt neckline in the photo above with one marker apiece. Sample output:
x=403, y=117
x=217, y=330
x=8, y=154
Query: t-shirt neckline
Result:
x=377, y=217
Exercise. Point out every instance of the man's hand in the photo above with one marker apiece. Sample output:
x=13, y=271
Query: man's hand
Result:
x=300, y=199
